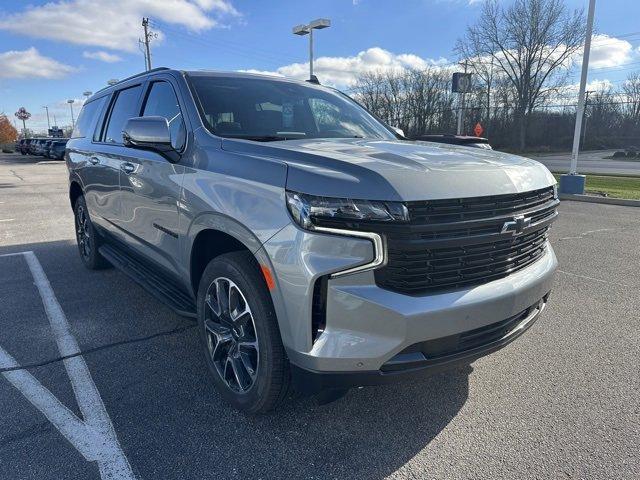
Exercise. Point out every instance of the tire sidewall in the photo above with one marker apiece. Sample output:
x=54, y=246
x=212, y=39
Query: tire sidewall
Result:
x=255, y=294
x=93, y=261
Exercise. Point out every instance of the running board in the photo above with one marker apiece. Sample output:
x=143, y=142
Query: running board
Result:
x=158, y=286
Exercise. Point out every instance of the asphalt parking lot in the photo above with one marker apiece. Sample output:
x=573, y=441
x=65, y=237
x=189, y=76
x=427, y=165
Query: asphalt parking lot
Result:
x=561, y=402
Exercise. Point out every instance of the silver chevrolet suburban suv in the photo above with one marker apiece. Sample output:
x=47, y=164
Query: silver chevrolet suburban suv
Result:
x=317, y=248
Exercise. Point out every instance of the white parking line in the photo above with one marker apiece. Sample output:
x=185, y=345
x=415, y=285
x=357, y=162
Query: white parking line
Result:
x=93, y=436
x=7, y=219
x=580, y=236
x=593, y=279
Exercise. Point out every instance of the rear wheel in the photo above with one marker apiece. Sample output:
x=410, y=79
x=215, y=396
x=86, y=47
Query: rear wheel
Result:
x=87, y=238
x=240, y=335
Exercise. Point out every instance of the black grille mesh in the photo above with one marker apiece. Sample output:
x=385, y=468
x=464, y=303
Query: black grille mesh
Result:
x=458, y=243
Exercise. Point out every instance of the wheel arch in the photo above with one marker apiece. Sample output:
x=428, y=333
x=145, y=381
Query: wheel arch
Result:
x=213, y=234
x=208, y=244
x=75, y=191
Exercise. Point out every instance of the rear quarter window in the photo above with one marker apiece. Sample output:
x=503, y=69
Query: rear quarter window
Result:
x=85, y=124
x=126, y=106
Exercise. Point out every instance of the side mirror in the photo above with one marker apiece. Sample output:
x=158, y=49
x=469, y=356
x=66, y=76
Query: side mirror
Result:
x=398, y=131
x=150, y=133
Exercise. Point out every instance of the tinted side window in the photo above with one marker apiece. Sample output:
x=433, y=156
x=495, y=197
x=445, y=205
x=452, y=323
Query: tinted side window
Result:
x=125, y=107
x=86, y=119
x=162, y=102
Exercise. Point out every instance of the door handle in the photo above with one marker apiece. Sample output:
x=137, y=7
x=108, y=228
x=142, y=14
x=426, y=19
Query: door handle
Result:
x=128, y=167
x=94, y=160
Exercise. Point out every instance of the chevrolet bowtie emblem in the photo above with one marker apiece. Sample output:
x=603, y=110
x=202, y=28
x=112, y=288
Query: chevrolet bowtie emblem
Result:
x=517, y=225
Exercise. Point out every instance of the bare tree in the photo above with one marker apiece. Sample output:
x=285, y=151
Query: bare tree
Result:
x=532, y=43
x=631, y=89
x=418, y=101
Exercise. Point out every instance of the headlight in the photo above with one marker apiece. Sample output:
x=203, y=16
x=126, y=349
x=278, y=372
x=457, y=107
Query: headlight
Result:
x=555, y=191
x=310, y=210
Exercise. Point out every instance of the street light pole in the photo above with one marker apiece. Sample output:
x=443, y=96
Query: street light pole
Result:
x=461, y=104
x=310, y=53
x=48, y=122
x=73, y=122
x=574, y=183
x=301, y=30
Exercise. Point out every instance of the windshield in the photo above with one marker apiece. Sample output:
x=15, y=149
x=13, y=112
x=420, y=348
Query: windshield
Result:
x=265, y=110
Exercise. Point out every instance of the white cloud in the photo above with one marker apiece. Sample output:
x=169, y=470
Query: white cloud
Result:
x=609, y=51
x=31, y=64
x=598, y=85
x=343, y=71
x=102, y=56
x=114, y=24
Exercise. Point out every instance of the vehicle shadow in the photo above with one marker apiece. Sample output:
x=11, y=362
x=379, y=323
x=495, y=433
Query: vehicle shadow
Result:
x=172, y=423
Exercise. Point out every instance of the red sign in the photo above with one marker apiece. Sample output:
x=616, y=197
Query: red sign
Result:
x=478, y=130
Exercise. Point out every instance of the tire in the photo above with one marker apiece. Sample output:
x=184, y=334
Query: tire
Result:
x=87, y=238
x=227, y=342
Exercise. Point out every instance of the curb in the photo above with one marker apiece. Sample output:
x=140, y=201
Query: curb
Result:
x=606, y=200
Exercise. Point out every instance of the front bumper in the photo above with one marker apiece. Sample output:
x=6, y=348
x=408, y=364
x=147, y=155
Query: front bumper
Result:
x=367, y=326
x=414, y=365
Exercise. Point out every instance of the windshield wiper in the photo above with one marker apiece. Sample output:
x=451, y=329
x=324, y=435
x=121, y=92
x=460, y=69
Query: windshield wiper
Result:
x=262, y=138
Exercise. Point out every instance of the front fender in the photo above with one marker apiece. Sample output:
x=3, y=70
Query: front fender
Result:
x=230, y=226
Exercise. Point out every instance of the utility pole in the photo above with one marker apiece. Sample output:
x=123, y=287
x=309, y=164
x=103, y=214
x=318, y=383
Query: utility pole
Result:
x=586, y=104
x=147, y=35
x=461, y=105
x=48, y=122
x=574, y=183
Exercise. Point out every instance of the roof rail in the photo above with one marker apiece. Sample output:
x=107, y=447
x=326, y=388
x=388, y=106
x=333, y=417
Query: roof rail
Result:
x=157, y=69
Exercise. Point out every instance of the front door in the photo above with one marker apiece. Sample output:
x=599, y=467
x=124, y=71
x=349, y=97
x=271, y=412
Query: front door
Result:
x=150, y=185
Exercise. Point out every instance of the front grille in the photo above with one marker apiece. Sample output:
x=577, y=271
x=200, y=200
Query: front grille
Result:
x=451, y=244
x=457, y=210
x=459, y=243
x=415, y=272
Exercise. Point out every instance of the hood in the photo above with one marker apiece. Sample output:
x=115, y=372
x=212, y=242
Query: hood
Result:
x=397, y=170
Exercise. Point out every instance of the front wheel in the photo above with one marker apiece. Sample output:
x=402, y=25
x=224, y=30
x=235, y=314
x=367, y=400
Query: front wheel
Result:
x=87, y=237
x=240, y=336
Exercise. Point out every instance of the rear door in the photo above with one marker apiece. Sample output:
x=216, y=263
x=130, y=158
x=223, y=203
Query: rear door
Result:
x=99, y=186
x=107, y=156
x=150, y=184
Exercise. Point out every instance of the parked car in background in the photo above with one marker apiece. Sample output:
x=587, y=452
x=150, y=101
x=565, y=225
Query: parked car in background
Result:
x=26, y=147
x=45, y=148
x=32, y=146
x=57, y=148
x=464, y=140
x=36, y=147
x=313, y=245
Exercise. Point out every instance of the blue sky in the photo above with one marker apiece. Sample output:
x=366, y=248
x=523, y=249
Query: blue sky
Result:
x=53, y=51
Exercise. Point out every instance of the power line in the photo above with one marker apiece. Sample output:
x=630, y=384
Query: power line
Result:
x=236, y=48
